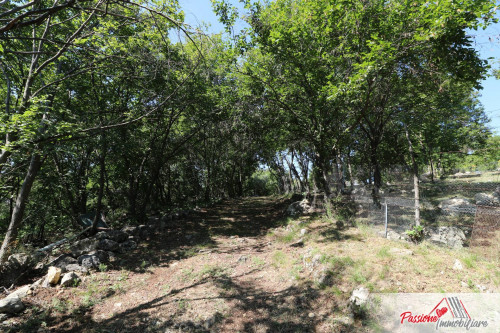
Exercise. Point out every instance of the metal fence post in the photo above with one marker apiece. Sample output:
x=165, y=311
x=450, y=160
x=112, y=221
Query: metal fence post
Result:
x=385, y=217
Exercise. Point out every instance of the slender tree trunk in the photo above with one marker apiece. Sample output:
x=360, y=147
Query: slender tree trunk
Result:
x=377, y=174
x=102, y=172
x=22, y=199
x=432, y=168
x=415, y=178
x=349, y=169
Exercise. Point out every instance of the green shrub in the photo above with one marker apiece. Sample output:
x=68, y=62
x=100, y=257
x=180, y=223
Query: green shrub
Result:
x=416, y=234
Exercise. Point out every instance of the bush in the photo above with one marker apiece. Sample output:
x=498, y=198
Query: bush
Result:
x=416, y=234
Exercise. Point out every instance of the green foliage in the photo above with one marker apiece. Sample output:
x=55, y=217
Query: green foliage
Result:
x=129, y=121
x=416, y=234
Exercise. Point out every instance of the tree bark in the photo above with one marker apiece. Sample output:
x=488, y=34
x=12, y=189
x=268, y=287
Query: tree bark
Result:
x=415, y=178
x=18, y=212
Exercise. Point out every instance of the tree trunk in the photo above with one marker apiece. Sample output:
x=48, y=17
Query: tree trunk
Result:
x=321, y=175
x=415, y=178
x=349, y=168
x=22, y=199
x=102, y=166
x=377, y=174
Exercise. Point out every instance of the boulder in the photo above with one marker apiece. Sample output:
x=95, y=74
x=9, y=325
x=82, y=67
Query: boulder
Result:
x=455, y=206
x=84, y=246
x=127, y=246
x=117, y=235
x=63, y=261
x=323, y=277
x=484, y=199
x=107, y=245
x=391, y=235
x=53, y=275
x=20, y=261
x=89, y=261
x=70, y=279
x=21, y=292
x=11, y=305
x=452, y=237
x=298, y=208
x=76, y=268
x=144, y=232
x=131, y=230
x=102, y=255
x=101, y=235
x=358, y=301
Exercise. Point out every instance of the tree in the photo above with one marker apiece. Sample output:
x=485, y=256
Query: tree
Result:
x=44, y=46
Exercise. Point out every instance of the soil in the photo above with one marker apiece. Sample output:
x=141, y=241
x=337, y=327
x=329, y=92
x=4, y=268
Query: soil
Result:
x=232, y=268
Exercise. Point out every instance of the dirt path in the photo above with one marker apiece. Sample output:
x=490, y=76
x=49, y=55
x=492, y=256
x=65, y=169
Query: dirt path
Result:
x=213, y=272
x=233, y=268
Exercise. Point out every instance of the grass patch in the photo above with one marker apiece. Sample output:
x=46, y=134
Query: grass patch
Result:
x=287, y=238
x=470, y=260
x=279, y=259
x=211, y=271
x=258, y=261
x=384, y=252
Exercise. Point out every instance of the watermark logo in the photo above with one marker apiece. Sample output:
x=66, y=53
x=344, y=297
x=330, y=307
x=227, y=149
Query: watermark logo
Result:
x=449, y=312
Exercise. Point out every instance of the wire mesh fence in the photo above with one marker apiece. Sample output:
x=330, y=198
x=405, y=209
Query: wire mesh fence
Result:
x=472, y=206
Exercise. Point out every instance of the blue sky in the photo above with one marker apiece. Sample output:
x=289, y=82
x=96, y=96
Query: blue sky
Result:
x=487, y=42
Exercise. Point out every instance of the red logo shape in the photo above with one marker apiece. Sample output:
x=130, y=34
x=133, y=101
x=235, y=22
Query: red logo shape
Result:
x=441, y=311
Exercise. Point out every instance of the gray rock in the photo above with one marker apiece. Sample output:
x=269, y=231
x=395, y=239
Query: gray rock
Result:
x=144, y=232
x=298, y=208
x=323, y=277
x=117, y=235
x=84, y=246
x=102, y=255
x=484, y=199
x=392, y=235
x=131, y=230
x=63, y=261
x=455, y=206
x=127, y=246
x=303, y=232
x=70, y=279
x=76, y=268
x=458, y=265
x=21, y=292
x=89, y=261
x=101, y=235
x=452, y=237
x=298, y=243
x=107, y=245
x=20, y=261
x=345, y=320
x=242, y=259
x=3, y=317
x=11, y=305
x=310, y=262
x=358, y=301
